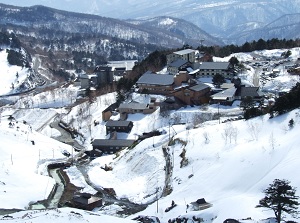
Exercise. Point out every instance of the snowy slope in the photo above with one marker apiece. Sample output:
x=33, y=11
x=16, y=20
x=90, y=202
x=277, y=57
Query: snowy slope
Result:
x=9, y=75
x=61, y=216
x=23, y=172
x=228, y=164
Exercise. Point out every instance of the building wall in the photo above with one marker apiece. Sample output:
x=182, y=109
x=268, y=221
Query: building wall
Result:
x=211, y=73
x=85, y=83
x=201, y=97
x=119, y=128
x=106, y=115
x=172, y=70
x=181, y=77
x=156, y=89
x=188, y=57
x=190, y=97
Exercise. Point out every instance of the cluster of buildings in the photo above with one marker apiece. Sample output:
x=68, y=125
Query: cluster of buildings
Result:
x=103, y=75
x=184, y=68
x=180, y=86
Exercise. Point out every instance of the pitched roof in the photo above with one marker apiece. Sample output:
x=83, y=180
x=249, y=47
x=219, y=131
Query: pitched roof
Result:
x=227, y=85
x=183, y=52
x=83, y=76
x=223, y=95
x=249, y=91
x=156, y=79
x=178, y=63
x=199, y=87
x=113, y=142
x=214, y=65
x=134, y=105
x=111, y=107
x=117, y=123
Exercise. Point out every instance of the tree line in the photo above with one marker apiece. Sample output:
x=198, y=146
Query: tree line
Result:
x=261, y=44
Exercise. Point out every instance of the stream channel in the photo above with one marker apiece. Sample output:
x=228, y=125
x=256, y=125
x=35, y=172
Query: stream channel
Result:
x=55, y=195
x=63, y=191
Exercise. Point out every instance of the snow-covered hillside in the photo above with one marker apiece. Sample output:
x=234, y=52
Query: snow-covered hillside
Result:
x=24, y=155
x=227, y=163
x=12, y=76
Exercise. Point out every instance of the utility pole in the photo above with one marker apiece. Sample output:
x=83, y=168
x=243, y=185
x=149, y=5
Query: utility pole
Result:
x=219, y=112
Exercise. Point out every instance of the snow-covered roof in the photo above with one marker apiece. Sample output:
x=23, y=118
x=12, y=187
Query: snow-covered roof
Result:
x=156, y=79
x=134, y=106
x=223, y=95
x=214, y=65
x=199, y=87
x=186, y=51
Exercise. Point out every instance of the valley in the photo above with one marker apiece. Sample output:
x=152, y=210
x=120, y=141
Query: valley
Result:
x=149, y=119
x=160, y=168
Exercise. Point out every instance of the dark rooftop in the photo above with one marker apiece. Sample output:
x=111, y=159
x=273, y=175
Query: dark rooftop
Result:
x=249, y=91
x=178, y=63
x=112, y=142
x=117, y=123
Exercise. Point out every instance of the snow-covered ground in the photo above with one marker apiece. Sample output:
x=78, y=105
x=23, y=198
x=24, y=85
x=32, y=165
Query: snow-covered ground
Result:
x=228, y=164
x=24, y=155
x=10, y=75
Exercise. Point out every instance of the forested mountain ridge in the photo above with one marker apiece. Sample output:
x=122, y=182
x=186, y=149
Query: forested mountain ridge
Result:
x=233, y=21
x=73, y=40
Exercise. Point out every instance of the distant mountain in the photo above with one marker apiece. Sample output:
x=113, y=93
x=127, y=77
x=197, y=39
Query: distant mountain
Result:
x=74, y=41
x=220, y=18
x=286, y=27
x=40, y=17
x=178, y=27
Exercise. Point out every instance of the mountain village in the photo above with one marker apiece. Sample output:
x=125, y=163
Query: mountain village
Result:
x=86, y=138
x=162, y=100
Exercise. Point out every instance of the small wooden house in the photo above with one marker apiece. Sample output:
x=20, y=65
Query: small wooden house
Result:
x=200, y=204
x=195, y=95
x=118, y=126
x=86, y=201
x=109, y=146
x=108, y=112
x=133, y=108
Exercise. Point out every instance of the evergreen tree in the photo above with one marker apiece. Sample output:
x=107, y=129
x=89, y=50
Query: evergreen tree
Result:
x=233, y=61
x=280, y=197
x=287, y=101
x=218, y=79
x=291, y=123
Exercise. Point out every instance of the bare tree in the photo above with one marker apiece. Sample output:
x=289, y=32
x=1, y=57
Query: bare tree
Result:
x=197, y=119
x=272, y=141
x=206, y=137
x=233, y=134
x=176, y=118
x=254, y=130
x=230, y=133
x=226, y=132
